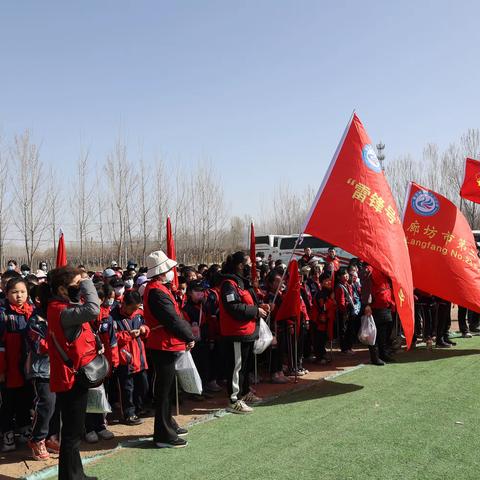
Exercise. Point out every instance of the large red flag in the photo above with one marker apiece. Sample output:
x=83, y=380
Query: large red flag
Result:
x=355, y=210
x=171, y=253
x=291, y=303
x=442, y=249
x=61, y=252
x=471, y=184
x=253, y=253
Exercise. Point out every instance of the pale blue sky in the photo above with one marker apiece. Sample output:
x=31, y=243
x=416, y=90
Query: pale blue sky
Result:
x=262, y=88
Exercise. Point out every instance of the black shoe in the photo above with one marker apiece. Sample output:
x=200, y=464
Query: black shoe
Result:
x=178, y=443
x=378, y=362
x=86, y=477
x=133, y=420
x=181, y=432
x=447, y=340
x=442, y=344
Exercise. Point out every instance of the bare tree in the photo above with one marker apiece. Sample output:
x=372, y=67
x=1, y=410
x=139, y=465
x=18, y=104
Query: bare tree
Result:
x=81, y=202
x=162, y=194
x=4, y=206
x=53, y=207
x=145, y=207
x=30, y=217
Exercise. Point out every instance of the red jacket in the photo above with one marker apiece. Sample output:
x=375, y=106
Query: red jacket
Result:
x=131, y=349
x=382, y=296
x=81, y=351
x=13, y=327
x=344, y=297
x=105, y=328
x=324, y=310
x=161, y=338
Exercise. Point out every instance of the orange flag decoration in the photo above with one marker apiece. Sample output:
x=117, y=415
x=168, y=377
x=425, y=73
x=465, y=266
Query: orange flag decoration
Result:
x=442, y=249
x=253, y=253
x=290, y=307
x=355, y=210
x=61, y=252
x=471, y=184
x=171, y=253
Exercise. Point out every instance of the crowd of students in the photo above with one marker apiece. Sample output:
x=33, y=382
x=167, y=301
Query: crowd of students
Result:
x=222, y=306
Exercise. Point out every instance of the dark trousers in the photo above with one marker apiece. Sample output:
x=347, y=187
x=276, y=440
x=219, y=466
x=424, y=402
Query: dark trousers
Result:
x=201, y=357
x=320, y=343
x=164, y=365
x=46, y=420
x=462, y=319
x=346, y=324
x=444, y=320
x=384, y=323
x=15, y=410
x=73, y=405
x=238, y=361
x=134, y=388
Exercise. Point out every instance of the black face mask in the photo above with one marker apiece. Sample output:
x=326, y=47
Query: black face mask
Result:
x=74, y=294
x=246, y=271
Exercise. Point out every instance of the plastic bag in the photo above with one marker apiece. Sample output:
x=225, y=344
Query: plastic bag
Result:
x=368, y=331
x=264, y=339
x=187, y=374
x=97, y=401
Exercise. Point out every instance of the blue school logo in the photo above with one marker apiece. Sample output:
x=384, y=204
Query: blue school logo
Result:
x=425, y=203
x=370, y=158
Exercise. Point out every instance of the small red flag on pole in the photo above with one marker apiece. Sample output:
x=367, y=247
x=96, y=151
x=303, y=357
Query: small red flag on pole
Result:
x=355, y=210
x=471, y=184
x=171, y=253
x=253, y=254
x=61, y=252
x=290, y=307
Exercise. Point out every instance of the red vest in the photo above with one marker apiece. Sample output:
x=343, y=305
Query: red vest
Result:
x=81, y=351
x=160, y=337
x=231, y=327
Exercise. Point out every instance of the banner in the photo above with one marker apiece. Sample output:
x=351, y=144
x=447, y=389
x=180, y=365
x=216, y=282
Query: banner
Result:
x=443, y=252
x=61, y=252
x=171, y=253
x=471, y=184
x=355, y=210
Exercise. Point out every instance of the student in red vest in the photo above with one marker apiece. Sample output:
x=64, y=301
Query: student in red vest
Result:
x=69, y=329
x=16, y=395
x=239, y=318
x=169, y=335
x=345, y=310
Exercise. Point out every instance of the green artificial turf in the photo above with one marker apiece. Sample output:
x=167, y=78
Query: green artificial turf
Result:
x=415, y=419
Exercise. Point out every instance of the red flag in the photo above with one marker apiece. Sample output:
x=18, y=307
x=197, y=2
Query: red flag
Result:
x=253, y=253
x=61, y=252
x=355, y=210
x=442, y=249
x=471, y=184
x=291, y=302
x=171, y=252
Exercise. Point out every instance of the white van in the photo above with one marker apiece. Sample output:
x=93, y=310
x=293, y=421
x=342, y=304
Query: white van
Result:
x=281, y=247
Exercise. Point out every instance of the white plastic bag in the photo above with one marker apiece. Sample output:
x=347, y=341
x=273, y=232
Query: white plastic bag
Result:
x=368, y=331
x=264, y=339
x=187, y=374
x=97, y=401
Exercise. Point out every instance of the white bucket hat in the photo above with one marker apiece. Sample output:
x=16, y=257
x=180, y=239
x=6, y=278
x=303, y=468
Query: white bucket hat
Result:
x=158, y=263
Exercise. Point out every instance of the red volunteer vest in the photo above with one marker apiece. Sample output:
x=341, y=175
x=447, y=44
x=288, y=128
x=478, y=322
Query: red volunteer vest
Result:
x=231, y=327
x=160, y=337
x=81, y=351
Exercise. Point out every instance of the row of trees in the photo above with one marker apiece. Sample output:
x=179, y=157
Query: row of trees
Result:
x=116, y=209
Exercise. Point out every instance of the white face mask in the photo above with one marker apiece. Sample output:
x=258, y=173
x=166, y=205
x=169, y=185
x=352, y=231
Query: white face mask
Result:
x=11, y=267
x=110, y=301
x=119, y=291
x=169, y=276
x=129, y=283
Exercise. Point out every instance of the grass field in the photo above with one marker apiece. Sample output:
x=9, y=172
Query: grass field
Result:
x=415, y=419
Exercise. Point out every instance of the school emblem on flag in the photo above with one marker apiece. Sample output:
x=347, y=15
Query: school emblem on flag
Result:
x=425, y=203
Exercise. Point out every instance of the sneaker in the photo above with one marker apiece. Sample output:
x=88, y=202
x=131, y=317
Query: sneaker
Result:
x=181, y=432
x=250, y=397
x=52, y=444
x=8, y=442
x=105, y=434
x=39, y=452
x=178, y=443
x=133, y=420
x=279, y=378
x=213, y=386
x=91, y=437
x=467, y=335
x=239, y=407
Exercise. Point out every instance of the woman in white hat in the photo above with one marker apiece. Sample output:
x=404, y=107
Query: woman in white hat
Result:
x=169, y=335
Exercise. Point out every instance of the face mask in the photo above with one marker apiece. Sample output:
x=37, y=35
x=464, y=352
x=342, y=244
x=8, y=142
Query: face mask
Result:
x=246, y=271
x=110, y=301
x=119, y=291
x=183, y=291
x=25, y=272
x=128, y=283
x=11, y=267
x=74, y=294
x=169, y=276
